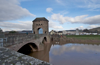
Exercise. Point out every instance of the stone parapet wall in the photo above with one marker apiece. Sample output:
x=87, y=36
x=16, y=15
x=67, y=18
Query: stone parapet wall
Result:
x=10, y=57
x=11, y=39
x=17, y=38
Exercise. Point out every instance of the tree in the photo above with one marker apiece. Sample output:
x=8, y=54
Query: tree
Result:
x=12, y=32
x=86, y=30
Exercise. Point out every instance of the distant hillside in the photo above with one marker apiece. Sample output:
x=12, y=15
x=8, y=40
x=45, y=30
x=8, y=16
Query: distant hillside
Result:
x=95, y=29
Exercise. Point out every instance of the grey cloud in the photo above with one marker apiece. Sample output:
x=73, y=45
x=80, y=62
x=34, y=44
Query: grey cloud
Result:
x=21, y=25
x=93, y=26
x=91, y=5
x=11, y=10
x=55, y=25
x=78, y=19
x=92, y=20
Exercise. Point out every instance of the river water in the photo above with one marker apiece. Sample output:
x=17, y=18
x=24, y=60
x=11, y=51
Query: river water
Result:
x=69, y=54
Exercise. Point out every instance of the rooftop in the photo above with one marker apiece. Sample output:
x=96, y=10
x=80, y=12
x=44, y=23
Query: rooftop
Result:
x=59, y=31
x=40, y=19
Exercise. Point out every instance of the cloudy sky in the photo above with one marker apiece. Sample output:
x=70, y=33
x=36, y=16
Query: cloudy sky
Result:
x=62, y=14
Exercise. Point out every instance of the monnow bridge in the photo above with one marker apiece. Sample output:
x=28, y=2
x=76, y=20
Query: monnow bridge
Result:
x=31, y=41
x=21, y=41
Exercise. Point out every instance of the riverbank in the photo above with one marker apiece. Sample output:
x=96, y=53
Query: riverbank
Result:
x=83, y=38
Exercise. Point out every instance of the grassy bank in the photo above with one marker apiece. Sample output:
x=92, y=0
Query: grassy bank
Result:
x=84, y=37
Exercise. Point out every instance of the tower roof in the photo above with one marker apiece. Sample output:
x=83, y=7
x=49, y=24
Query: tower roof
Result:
x=40, y=19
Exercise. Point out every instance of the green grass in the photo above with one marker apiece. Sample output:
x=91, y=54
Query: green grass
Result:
x=85, y=37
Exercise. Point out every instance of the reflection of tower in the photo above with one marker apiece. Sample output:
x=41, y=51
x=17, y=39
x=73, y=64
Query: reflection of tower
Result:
x=39, y=23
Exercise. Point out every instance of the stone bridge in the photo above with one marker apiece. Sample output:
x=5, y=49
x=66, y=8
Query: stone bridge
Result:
x=25, y=42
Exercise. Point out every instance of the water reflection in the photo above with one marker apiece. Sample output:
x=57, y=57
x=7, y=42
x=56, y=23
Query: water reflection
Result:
x=57, y=50
x=42, y=55
x=69, y=54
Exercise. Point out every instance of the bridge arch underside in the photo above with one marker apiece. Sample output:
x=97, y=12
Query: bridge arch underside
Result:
x=29, y=47
x=44, y=40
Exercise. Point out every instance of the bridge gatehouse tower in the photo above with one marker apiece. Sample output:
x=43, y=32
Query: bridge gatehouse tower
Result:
x=40, y=23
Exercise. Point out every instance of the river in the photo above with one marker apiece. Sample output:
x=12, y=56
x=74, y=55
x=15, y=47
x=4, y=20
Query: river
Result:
x=69, y=54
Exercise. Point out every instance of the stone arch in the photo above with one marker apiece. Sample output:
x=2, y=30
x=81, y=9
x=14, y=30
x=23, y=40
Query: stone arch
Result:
x=45, y=32
x=27, y=48
x=44, y=40
x=40, y=30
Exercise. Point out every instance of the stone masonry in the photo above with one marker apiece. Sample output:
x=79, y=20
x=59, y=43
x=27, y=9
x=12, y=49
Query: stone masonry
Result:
x=10, y=57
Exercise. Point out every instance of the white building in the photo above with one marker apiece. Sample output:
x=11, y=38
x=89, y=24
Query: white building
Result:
x=77, y=32
x=71, y=32
x=52, y=32
x=64, y=32
x=60, y=33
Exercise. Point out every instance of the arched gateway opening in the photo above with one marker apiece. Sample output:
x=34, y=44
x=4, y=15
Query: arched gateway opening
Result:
x=26, y=49
x=40, y=30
